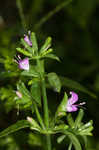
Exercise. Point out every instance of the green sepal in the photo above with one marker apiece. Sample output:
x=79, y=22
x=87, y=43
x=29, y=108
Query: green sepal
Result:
x=54, y=81
x=61, y=110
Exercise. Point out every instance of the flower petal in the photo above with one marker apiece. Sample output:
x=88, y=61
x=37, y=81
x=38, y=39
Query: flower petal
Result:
x=24, y=64
x=27, y=40
x=71, y=108
x=73, y=99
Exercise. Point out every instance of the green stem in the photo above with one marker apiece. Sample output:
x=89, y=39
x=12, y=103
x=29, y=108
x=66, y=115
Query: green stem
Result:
x=70, y=146
x=46, y=114
x=45, y=103
x=39, y=116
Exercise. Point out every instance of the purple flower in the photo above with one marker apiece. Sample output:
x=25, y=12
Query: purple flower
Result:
x=18, y=94
x=27, y=39
x=71, y=106
x=23, y=63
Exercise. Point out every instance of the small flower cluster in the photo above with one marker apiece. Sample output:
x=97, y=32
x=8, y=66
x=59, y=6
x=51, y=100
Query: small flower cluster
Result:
x=24, y=63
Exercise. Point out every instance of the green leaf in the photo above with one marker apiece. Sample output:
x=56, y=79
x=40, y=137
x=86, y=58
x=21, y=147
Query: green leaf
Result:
x=34, y=43
x=46, y=45
x=15, y=127
x=24, y=52
x=79, y=118
x=60, y=127
x=54, y=81
x=31, y=73
x=74, y=140
x=52, y=56
x=36, y=92
x=75, y=85
x=70, y=120
x=86, y=128
x=46, y=52
x=26, y=45
x=61, y=110
x=60, y=138
x=26, y=96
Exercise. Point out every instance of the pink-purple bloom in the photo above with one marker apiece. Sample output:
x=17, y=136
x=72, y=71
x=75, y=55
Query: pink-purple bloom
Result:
x=27, y=39
x=71, y=106
x=23, y=63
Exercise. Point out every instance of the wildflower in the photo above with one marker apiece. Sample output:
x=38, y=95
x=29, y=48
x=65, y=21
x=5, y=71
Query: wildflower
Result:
x=23, y=63
x=18, y=94
x=27, y=39
x=71, y=106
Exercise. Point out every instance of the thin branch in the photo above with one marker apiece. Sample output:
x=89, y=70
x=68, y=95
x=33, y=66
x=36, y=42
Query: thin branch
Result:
x=51, y=14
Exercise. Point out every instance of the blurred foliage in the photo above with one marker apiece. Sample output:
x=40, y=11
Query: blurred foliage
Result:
x=74, y=29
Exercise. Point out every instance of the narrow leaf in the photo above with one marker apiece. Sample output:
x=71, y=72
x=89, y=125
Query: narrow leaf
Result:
x=79, y=118
x=24, y=52
x=70, y=120
x=60, y=138
x=34, y=42
x=46, y=52
x=74, y=140
x=46, y=45
x=15, y=127
x=54, y=81
x=75, y=85
x=52, y=56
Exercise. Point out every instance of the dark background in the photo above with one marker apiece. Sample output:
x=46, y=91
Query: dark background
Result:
x=75, y=33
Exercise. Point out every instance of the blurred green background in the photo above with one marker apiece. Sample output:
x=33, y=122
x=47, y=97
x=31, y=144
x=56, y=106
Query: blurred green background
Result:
x=74, y=28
